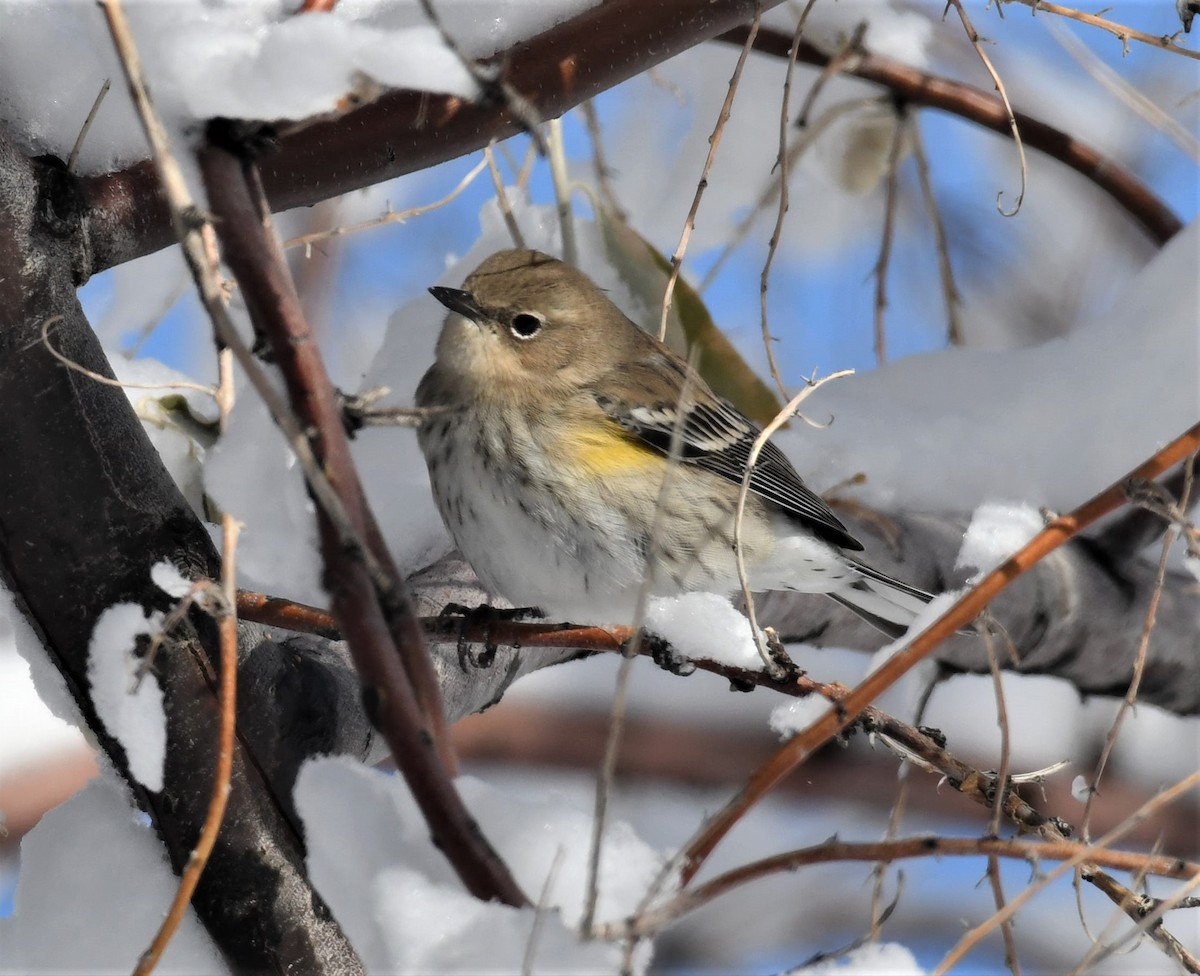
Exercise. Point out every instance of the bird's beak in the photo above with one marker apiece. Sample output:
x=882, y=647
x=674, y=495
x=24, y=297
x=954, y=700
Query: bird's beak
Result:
x=457, y=300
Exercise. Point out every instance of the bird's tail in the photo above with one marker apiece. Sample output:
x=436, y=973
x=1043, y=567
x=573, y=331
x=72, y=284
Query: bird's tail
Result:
x=885, y=603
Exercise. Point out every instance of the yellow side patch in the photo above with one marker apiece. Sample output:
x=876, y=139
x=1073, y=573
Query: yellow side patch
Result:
x=608, y=451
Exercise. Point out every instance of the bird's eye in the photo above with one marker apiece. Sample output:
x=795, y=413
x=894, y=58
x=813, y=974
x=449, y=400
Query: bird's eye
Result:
x=525, y=325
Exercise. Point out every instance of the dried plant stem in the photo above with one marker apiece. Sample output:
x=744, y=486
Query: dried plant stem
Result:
x=1125, y=92
x=950, y=295
x=107, y=381
x=73, y=158
x=887, y=235
x=892, y=850
x=714, y=141
x=808, y=137
x=1119, y=31
x=390, y=216
x=562, y=191
x=781, y=164
x=629, y=651
x=760, y=442
x=960, y=615
x=600, y=165
x=973, y=37
x=506, y=210
x=1086, y=854
x=190, y=878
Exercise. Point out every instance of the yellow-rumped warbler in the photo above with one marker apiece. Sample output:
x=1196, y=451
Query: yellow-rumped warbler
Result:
x=550, y=444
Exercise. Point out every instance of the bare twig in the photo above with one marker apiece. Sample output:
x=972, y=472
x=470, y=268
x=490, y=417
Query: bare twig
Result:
x=960, y=615
x=390, y=216
x=974, y=38
x=506, y=210
x=891, y=850
x=101, y=378
x=562, y=191
x=227, y=626
x=87, y=125
x=377, y=613
x=1088, y=853
x=631, y=649
x=781, y=163
x=807, y=139
x=920, y=88
x=950, y=296
x=714, y=141
x=1122, y=33
x=1124, y=91
x=888, y=233
x=604, y=172
x=760, y=442
x=993, y=864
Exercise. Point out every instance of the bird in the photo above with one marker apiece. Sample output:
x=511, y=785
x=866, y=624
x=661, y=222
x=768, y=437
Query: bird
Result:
x=550, y=423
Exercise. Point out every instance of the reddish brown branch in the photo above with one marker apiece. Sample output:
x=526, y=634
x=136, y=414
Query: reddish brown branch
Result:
x=895, y=850
x=960, y=615
x=958, y=98
x=377, y=619
x=406, y=131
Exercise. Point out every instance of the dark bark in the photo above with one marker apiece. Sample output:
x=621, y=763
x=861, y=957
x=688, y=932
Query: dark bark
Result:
x=86, y=508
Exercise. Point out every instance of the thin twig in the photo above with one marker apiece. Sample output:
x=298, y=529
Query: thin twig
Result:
x=714, y=141
x=562, y=191
x=108, y=381
x=1122, y=33
x=603, y=171
x=87, y=125
x=390, y=216
x=540, y=912
x=806, y=140
x=781, y=163
x=1124, y=91
x=948, y=95
x=491, y=82
x=760, y=442
x=1088, y=853
x=840, y=60
x=950, y=295
x=973, y=37
x=227, y=628
x=889, y=229
x=506, y=211
x=958, y=616
x=891, y=850
x=612, y=742
x=993, y=865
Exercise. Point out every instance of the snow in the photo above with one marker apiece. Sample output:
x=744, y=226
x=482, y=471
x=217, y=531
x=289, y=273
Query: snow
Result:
x=38, y=709
x=1016, y=428
x=252, y=474
x=873, y=959
x=167, y=577
x=705, y=626
x=93, y=889
x=997, y=530
x=131, y=710
x=796, y=714
x=405, y=910
x=253, y=60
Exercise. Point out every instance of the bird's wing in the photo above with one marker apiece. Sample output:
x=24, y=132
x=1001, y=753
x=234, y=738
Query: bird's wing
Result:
x=643, y=398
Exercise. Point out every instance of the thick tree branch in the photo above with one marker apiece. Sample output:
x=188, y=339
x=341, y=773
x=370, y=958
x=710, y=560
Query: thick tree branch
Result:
x=406, y=131
x=86, y=507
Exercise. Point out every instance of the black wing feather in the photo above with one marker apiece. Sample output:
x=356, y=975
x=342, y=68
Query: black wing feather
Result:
x=716, y=436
